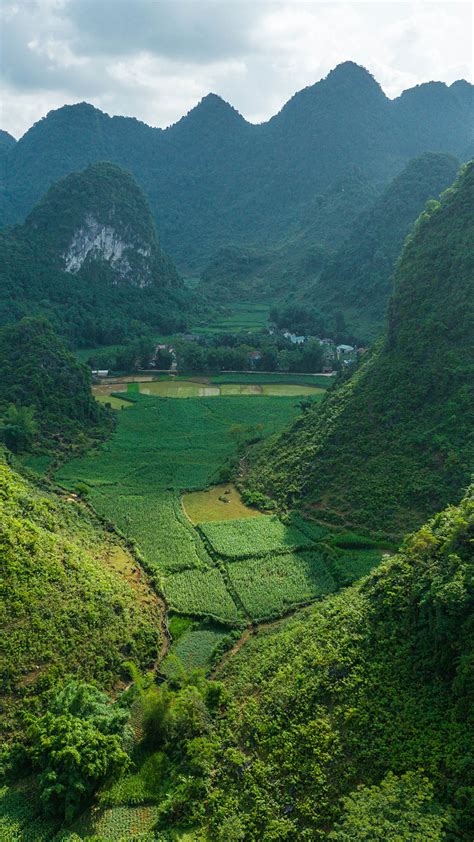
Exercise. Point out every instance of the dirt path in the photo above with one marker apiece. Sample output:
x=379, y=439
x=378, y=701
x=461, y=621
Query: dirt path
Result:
x=249, y=632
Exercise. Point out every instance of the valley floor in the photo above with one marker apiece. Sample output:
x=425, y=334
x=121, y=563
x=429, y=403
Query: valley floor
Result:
x=220, y=567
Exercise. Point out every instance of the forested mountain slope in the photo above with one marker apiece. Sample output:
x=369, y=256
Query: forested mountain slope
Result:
x=395, y=442
x=46, y=402
x=357, y=281
x=237, y=272
x=89, y=259
x=367, y=695
x=71, y=605
x=213, y=179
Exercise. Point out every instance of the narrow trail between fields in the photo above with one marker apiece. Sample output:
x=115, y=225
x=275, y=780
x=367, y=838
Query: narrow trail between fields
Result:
x=250, y=631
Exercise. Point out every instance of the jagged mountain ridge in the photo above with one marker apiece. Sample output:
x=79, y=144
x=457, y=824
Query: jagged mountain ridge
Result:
x=213, y=178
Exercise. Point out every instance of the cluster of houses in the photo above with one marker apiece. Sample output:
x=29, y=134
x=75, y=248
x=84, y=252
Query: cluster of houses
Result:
x=346, y=354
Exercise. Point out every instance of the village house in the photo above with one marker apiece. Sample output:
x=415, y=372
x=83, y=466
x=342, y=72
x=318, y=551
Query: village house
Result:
x=344, y=350
x=254, y=357
x=296, y=340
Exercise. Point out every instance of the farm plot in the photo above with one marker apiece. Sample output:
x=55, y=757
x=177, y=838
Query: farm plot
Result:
x=166, y=443
x=156, y=524
x=160, y=449
x=195, y=647
x=244, y=537
x=202, y=593
x=115, y=403
x=118, y=823
x=221, y=502
x=268, y=587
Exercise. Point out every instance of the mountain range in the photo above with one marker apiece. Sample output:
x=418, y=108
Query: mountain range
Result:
x=213, y=179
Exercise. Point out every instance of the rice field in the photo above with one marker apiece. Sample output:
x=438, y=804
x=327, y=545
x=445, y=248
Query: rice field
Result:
x=237, y=539
x=182, y=388
x=221, y=502
x=270, y=586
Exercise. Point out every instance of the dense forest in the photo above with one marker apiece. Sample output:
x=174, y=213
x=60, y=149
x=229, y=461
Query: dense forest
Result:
x=339, y=265
x=46, y=403
x=357, y=280
x=395, y=441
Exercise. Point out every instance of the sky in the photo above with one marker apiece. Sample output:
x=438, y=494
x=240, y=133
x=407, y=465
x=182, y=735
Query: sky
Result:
x=155, y=59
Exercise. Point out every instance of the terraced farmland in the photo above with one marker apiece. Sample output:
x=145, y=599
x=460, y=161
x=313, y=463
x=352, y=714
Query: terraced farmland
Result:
x=162, y=447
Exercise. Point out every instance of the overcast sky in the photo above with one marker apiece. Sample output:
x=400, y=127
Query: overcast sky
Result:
x=155, y=59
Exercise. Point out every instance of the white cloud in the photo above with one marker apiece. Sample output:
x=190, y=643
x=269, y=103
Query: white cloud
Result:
x=154, y=59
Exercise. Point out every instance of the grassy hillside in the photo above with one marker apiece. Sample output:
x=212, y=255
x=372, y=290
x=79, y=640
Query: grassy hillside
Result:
x=350, y=721
x=73, y=601
x=394, y=443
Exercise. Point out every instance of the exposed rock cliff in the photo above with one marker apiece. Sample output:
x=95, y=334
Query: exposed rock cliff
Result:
x=98, y=221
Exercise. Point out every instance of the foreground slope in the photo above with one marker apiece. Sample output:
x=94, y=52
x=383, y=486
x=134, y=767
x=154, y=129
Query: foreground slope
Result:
x=73, y=604
x=370, y=688
x=394, y=443
x=88, y=257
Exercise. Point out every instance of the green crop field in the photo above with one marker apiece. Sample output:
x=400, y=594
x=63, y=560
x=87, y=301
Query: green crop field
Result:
x=165, y=443
x=115, y=403
x=120, y=823
x=321, y=381
x=201, y=593
x=164, y=451
x=195, y=647
x=156, y=524
x=253, y=536
x=267, y=587
x=160, y=449
x=244, y=315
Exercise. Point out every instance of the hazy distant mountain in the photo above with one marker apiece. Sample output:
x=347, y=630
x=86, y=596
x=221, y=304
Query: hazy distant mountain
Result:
x=213, y=179
x=236, y=271
x=357, y=281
